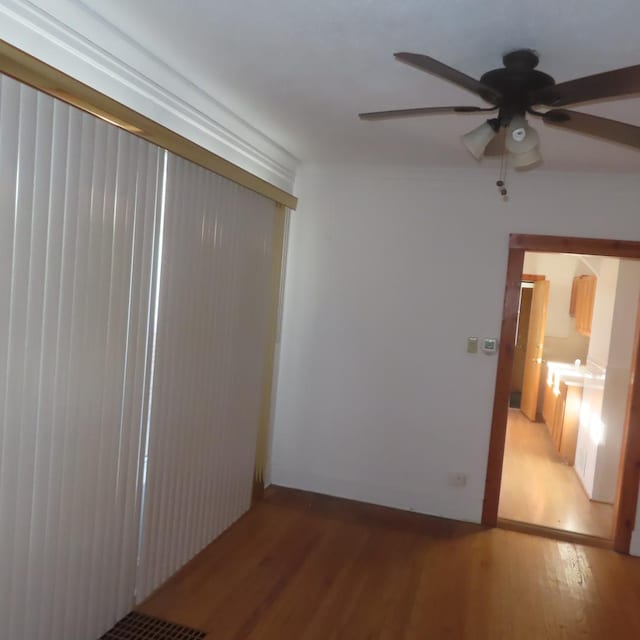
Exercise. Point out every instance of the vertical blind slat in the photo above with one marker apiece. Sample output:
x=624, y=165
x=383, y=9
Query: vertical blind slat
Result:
x=210, y=347
x=77, y=223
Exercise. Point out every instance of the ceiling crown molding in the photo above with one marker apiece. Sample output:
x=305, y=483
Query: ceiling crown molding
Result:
x=72, y=38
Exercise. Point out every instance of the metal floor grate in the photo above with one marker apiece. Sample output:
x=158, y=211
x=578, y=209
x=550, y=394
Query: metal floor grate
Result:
x=137, y=626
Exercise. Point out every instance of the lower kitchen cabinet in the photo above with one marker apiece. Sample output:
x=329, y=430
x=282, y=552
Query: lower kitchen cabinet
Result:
x=561, y=414
x=568, y=415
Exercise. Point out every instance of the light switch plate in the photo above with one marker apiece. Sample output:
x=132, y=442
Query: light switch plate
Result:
x=489, y=345
x=472, y=345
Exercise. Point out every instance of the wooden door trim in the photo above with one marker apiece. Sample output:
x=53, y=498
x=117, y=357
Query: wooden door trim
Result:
x=587, y=246
x=503, y=384
x=630, y=477
x=532, y=277
x=555, y=534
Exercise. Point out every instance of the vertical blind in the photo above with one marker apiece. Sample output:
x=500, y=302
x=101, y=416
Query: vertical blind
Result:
x=210, y=345
x=78, y=204
x=134, y=327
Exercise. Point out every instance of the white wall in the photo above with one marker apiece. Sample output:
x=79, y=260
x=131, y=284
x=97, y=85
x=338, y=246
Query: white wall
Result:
x=589, y=430
x=390, y=269
x=589, y=445
x=614, y=402
x=602, y=319
x=590, y=265
x=589, y=438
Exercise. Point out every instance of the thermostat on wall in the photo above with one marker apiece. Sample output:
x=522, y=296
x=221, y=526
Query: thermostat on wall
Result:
x=489, y=345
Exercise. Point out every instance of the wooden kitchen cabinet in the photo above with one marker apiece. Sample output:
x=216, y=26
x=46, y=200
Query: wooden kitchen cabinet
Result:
x=583, y=293
x=557, y=422
x=553, y=413
x=549, y=406
x=561, y=411
x=567, y=416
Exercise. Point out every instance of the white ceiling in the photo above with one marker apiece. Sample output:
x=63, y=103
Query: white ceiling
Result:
x=301, y=70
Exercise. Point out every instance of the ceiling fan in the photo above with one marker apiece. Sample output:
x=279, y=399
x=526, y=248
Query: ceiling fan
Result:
x=514, y=91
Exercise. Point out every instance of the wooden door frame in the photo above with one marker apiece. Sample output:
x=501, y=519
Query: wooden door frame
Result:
x=629, y=477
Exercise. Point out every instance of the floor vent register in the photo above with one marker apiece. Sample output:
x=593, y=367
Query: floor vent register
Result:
x=138, y=626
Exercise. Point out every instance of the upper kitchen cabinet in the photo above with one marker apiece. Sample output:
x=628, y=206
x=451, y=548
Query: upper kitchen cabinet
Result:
x=583, y=293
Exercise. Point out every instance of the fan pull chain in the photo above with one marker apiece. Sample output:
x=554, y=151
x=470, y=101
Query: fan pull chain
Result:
x=501, y=183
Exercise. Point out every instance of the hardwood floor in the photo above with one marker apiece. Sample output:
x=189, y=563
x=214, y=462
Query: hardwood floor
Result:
x=539, y=488
x=300, y=566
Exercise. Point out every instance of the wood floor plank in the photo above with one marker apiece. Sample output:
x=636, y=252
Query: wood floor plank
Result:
x=538, y=487
x=310, y=567
x=235, y=615
x=322, y=570
x=235, y=554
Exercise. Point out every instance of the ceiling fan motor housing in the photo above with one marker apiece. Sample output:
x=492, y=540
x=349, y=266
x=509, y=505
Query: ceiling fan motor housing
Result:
x=517, y=83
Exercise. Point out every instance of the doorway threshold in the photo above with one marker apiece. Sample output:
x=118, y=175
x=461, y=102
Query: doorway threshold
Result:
x=555, y=534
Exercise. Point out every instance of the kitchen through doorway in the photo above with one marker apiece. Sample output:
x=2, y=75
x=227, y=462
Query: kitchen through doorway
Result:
x=568, y=393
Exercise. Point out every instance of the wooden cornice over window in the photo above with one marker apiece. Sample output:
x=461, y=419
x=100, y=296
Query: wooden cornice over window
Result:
x=34, y=72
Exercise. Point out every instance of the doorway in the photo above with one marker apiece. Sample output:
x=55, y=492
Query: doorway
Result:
x=542, y=482
x=531, y=438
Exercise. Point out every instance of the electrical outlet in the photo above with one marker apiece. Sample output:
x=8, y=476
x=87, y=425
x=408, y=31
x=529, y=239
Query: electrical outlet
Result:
x=457, y=479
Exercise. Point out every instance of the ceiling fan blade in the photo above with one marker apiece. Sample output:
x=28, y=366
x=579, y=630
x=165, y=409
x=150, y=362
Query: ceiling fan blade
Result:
x=423, y=111
x=612, y=130
x=496, y=146
x=619, y=82
x=425, y=63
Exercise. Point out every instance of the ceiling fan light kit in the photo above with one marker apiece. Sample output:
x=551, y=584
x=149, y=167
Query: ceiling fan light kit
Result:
x=515, y=91
x=477, y=139
x=523, y=143
x=526, y=159
x=520, y=134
